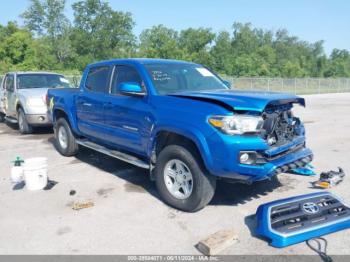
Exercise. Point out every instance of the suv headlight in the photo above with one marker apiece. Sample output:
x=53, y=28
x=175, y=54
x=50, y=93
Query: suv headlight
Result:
x=237, y=124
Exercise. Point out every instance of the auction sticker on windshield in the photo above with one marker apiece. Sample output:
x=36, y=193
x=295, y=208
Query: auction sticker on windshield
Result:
x=204, y=71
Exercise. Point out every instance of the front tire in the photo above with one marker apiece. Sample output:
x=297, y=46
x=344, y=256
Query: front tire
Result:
x=181, y=179
x=23, y=126
x=64, y=139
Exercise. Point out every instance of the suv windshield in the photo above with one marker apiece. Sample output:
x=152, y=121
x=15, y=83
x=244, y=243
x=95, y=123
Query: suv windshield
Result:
x=170, y=78
x=42, y=81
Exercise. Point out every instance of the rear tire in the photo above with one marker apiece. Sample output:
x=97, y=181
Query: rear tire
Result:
x=176, y=167
x=23, y=126
x=64, y=139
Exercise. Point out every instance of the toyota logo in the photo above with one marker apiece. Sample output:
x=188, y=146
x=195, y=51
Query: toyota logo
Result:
x=311, y=208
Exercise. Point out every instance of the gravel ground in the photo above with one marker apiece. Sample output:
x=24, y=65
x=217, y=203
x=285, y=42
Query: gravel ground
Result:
x=129, y=218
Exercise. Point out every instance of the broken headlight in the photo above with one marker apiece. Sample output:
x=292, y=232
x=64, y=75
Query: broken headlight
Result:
x=237, y=124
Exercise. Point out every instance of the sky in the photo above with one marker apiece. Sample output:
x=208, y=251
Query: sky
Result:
x=310, y=20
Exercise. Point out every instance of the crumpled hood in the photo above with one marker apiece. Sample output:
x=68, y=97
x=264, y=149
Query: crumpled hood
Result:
x=242, y=100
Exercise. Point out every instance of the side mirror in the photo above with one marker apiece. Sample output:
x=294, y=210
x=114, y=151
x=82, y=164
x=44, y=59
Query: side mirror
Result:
x=131, y=88
x=227, y=83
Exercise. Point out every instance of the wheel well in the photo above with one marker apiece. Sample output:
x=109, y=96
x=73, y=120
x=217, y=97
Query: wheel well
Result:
x=60, y=114
x=18, y=106
x=165, y=138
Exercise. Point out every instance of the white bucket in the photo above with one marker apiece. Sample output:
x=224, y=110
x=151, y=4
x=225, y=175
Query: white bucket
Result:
x=35, y=173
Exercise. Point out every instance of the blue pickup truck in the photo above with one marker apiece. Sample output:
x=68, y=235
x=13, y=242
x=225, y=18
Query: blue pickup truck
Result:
x=182, y=122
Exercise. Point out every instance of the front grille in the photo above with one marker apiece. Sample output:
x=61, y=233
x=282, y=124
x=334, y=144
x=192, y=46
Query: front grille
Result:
x=297, y=216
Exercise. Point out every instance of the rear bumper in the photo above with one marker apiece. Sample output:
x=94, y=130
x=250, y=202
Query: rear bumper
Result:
x=38, y=119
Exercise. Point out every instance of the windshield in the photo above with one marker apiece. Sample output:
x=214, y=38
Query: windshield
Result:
x=170, y=78
x=42, y=81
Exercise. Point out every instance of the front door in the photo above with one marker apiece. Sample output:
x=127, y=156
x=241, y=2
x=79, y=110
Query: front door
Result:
x=128, y=118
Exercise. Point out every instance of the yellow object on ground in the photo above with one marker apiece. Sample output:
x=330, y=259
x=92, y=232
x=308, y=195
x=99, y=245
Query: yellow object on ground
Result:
x=82, y=205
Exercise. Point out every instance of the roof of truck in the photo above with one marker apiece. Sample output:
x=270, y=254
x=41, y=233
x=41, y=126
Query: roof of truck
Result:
x=142, y=61
x=33, y=73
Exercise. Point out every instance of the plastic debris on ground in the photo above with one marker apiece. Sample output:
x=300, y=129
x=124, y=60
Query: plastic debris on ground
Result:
x=305, y=171
x=330, y=179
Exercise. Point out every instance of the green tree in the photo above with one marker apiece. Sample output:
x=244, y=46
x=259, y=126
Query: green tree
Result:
x=339, y=64
x=34, y=17
x=47, y=20
x=17, y=49
x=195, y=43
x=100, y=32
x=160, y=42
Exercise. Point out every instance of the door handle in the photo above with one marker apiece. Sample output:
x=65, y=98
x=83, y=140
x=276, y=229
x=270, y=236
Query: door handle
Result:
x=87, y=104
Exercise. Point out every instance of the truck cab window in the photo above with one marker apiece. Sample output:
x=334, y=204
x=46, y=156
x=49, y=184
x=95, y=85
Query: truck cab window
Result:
x=98, y=79
x=125, y=74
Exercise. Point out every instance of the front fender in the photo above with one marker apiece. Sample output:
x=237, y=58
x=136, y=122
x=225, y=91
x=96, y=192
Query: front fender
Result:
x=188, y=131
x=21, y=101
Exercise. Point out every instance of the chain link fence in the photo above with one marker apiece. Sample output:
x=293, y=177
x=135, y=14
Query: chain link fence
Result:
x=299, y=86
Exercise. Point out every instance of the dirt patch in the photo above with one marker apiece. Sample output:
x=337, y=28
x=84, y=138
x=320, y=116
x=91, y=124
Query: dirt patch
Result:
x=134, y=188
x=75, y=161
x=287, y=183
x=171, y=215
x=35, y=137
x=308, y=122
x=63, y=230
x=104, y=192
x=182, y=225
x=70, y=204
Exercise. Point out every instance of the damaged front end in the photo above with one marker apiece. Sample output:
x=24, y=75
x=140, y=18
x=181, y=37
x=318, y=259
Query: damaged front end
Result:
x=284, y=134
x=280, y=125
x=258, y=136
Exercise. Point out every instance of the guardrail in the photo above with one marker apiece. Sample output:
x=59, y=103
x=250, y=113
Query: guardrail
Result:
x=299, y=86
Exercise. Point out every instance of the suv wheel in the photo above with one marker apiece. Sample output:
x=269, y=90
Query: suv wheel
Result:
x=182, y=180
x=64, y=138
x=23, y=126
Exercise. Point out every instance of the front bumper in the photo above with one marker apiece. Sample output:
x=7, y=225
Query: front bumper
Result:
x=38, y=119
x=225, y=152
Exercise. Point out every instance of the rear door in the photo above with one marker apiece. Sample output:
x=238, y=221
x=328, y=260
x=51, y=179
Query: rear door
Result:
x=128, y=118
x=90, y=102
